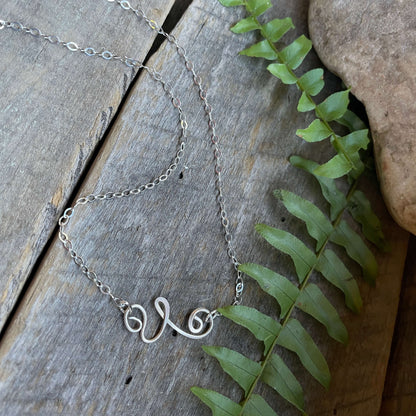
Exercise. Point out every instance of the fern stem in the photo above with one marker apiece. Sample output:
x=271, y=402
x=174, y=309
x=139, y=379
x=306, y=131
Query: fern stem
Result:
x=335, y=222
x=301, y=286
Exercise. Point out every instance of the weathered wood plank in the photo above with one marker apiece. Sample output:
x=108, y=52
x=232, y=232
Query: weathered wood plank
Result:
x=399, y=397
x=52, y=118
x=67, y=344
x=358, y=370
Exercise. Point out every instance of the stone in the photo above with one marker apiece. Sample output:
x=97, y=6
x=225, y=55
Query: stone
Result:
x=371, y=46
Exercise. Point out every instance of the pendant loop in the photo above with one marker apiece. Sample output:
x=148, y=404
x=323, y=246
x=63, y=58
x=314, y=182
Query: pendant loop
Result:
x=198, y=327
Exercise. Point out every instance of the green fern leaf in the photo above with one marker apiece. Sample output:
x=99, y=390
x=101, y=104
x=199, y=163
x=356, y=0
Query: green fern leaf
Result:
x=274, y=284
x=232, y=3
x=360, y=209
x=257, y=7
x=303, y=258
x=344, y=236
x=334, y=106
x=316, y=132
x=313, y=302
x=354, y=141
x=295, y=338
x=243, y=370
x=257, y=406
x=358, y=166
x=282, y=72
x=336, y=167
x=294, y=54
x=219, y=404
x=260, y=325
x=276, y=28
x=330, y=191
x=278, y=376
x=305, y=103
x=246, y=25
x=334, y=270
x=308, y=297
x=352, y=121
x=312, y=82
x=261, y=50
x=317, y=224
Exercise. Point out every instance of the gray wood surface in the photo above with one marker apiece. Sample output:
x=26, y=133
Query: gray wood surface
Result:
x=65, y=350
x=54, y=109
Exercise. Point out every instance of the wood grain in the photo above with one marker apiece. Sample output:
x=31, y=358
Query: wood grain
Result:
x=66, y=344
x=399, y=397
x=54, y=109
x=359, y=369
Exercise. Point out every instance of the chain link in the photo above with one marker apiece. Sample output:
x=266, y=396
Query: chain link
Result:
x=239, y=283
x=107, y=55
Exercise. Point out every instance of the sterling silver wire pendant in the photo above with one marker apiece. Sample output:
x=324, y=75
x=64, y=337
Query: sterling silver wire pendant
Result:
x=198, y=327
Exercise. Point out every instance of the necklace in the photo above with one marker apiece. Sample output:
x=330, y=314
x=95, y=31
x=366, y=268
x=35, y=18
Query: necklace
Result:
x=198, y=326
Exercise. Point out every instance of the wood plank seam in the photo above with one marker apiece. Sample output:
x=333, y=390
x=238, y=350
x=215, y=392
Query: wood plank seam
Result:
x=176, y=12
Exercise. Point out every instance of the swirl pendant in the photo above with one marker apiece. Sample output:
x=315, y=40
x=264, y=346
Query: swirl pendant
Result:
x=198, y=328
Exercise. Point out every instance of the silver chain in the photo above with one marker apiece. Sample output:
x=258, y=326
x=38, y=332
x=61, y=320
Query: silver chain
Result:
x=104, y=288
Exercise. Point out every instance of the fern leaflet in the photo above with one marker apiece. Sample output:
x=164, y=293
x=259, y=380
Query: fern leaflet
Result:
x=288, y=332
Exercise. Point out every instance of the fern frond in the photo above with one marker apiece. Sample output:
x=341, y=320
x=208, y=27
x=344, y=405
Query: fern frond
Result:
x=277, y=375
x=219, y=404
x=263, y=327
x=277, y=28
x=319, y=227
x=288, y=332
x=323, y=231
x=261, y=50
x=243, y=370
x=313, y=302
x=330, y=191
x=335, y=272
x=312, y=82
x=302, y=256
x=356, y=248
x=257, y=406
x=360, y=209
x=332, y=108
x=294, y=337
x=276, y=285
